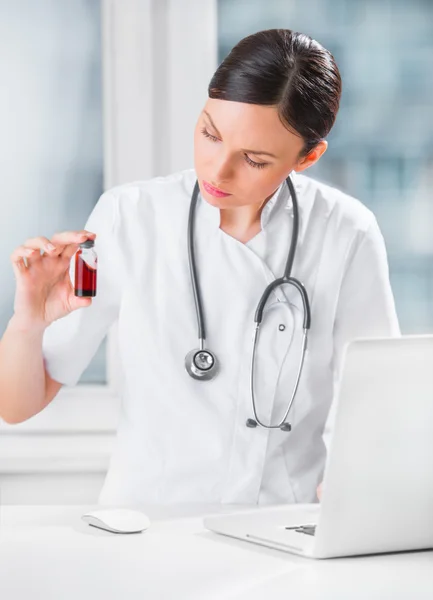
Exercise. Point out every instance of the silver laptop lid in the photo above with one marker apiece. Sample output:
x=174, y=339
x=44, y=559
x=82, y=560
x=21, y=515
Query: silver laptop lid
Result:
x=378, y=485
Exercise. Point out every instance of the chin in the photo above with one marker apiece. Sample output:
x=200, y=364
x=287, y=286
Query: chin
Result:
x=217, y=202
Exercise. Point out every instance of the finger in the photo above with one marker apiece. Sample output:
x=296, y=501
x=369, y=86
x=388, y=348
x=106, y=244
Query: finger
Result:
x=30, y=252
x=67, y=242
x=19, y=266
x=69, y=251
x=72, y=237
x=33, y=249
x=21, y=255
x=39, y=243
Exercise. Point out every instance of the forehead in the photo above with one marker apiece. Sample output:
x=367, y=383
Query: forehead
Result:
x=252, y=126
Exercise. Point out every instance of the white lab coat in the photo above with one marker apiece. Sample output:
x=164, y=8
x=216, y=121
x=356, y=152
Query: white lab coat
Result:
x=182, y=440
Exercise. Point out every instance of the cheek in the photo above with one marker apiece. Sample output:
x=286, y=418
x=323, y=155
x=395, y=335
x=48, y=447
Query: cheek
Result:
x=199, y=150
x=205, y=151
x=258, y=184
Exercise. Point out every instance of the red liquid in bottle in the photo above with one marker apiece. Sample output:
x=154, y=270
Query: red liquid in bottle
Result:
x=85, y=276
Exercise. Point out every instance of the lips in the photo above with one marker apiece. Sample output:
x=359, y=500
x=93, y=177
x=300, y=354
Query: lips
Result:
x=213, y=191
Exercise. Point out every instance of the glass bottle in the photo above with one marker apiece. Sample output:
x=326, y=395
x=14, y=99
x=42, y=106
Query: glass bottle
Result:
x=86, y=265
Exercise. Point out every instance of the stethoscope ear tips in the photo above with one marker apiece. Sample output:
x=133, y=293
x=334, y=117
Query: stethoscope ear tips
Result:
x=252, y=424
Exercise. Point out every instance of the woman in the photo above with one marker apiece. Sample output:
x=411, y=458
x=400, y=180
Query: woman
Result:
x=271, y=104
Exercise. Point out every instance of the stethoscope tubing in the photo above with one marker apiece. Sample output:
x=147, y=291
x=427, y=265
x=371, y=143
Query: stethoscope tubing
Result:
x=192, y=369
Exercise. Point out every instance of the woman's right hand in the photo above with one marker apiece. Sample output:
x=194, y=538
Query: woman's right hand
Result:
x=44, y=291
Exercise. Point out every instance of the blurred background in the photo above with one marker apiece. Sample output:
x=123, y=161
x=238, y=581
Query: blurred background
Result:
x=380, y=149
x=51, y=149
x=100, y=92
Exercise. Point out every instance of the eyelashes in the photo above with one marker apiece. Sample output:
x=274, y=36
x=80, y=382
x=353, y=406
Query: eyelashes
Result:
x=256, y=165
x=252, y=163
x=208, y=135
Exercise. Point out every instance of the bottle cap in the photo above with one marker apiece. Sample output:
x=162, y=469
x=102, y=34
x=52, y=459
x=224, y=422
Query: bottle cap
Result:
x=87, y=244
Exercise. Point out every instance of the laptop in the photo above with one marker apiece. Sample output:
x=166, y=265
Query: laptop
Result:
x=377, y=491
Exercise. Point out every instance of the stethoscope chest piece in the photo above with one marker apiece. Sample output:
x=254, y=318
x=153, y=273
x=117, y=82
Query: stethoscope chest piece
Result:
x=201, y=364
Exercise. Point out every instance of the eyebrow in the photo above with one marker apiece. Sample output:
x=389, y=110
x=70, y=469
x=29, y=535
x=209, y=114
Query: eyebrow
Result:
x=244, y=149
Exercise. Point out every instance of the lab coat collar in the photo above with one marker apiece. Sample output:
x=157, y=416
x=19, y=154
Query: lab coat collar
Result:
x=280, y=199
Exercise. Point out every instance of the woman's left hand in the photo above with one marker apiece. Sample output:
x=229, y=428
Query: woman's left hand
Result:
x=319, y=491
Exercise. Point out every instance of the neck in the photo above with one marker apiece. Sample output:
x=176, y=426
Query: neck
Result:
x=241, y=219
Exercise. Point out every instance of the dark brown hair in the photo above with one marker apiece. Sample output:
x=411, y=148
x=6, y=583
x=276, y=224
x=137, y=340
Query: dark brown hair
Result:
x=286, y=69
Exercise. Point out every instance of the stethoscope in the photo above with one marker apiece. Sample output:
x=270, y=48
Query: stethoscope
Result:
x=201, y=363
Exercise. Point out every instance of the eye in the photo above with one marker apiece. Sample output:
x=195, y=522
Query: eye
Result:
x=256, y=165
x=252, y=163
x=206, y=133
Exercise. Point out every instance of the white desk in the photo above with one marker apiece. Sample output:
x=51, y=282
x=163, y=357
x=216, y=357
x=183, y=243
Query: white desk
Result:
x=49, y=552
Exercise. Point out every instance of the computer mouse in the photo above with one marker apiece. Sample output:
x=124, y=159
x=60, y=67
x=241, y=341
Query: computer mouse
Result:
x=117, y=520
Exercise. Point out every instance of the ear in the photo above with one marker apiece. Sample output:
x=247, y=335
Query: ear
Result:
x=312, y=157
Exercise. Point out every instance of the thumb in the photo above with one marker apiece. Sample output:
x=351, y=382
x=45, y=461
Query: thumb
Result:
x=77, y=302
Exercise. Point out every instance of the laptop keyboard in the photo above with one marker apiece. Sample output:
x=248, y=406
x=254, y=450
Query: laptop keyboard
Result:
x=307, y=529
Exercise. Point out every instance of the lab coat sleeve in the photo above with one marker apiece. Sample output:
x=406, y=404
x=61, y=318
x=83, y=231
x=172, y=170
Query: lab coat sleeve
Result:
x=70, y=343
x=365, y=306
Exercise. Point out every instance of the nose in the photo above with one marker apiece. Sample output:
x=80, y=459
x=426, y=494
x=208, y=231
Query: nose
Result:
x=221, y=172
x=216, y=183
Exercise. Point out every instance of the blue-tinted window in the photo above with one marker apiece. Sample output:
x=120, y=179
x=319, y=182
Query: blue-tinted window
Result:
x=51, y=129
x=381, y=147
